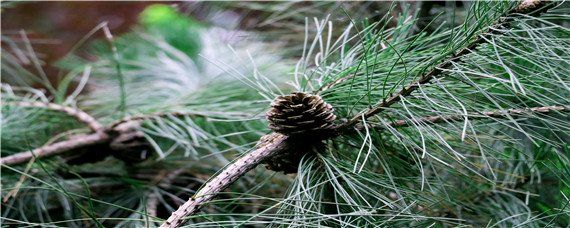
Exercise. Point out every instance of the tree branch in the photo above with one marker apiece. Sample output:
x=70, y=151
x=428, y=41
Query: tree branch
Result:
x=527, y=6
x=77, y=113
x=477, y=115
x=235, y=170
x=56, y=148
x=224, y=179
x=103, y=134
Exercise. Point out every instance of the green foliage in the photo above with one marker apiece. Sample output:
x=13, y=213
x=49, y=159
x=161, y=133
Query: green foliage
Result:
x=179, y=31
x=480, y=170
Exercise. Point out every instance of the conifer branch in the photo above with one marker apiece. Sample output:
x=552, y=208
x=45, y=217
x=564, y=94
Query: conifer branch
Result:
x=235, y=170
x=56, y=148
x=479, y=115
x=103, y=134
x=225, y=178
x=75, y=112
x=526, y=6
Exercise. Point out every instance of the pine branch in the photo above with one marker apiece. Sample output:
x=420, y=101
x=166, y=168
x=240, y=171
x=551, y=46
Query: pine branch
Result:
x=525, y=7
x=479, y=115
x=77, y=113
x=225, y=178
x=56, y=148
x=232, y=172
x=103, y=134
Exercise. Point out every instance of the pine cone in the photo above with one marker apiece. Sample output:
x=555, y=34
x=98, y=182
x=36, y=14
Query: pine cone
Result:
x=300, y=113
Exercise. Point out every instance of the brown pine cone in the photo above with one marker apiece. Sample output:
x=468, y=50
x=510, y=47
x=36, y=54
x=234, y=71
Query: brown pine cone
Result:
x=300, y=113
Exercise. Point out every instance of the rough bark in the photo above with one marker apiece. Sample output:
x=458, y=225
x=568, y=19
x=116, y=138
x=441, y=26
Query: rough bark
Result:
x=480, y=115
x=56, y=148
x=77, y=113
x=224, y=179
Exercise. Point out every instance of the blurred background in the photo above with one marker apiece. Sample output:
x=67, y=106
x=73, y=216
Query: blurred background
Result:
x=54, y=28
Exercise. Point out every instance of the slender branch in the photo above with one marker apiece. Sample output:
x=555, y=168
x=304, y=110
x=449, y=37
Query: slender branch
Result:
x=77, y=113
x=56, y=148
x=525, y=7
x=102, y=134
x=224, y=179
x=477, y=115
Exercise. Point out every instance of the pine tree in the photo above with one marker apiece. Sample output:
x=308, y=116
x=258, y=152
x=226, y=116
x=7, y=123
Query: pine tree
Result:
x=457, y=124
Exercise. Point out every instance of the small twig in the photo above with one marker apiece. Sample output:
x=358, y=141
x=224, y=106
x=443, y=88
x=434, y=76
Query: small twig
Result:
x=525, y=7
x=23, y=178
x=478, y=115
x=224, y=179
x=77, y=113
x=56, y=148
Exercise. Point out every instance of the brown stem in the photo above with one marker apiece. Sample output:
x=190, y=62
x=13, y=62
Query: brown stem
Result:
x=527, y=6
x=77, y=113
x=56, y=148
x=478, y=115
x=224, y=179
x=102, y=134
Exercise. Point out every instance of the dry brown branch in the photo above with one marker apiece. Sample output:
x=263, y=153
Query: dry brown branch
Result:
x=77, y=113
x=56, y=148
x=102, y=134
x=224, y=179
x=480, y=115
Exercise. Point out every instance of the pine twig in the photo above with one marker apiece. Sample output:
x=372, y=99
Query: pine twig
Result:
x=77, y=113
x=527, y=6
x=478, y=115
x=224, y=179
x=103, y=134
x=56, y=148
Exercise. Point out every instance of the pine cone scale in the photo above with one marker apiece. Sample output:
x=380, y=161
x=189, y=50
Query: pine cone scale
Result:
x=300, y=113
